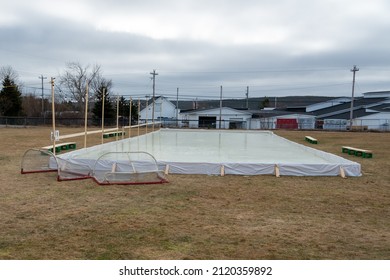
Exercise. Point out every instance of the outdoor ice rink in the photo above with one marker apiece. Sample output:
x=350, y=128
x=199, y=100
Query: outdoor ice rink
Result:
x=239, y=152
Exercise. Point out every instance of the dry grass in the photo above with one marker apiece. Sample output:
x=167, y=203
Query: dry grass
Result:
x=197, y=217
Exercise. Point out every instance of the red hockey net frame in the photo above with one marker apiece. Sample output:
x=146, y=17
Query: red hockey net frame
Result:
x=113, y=168
x=38, y=161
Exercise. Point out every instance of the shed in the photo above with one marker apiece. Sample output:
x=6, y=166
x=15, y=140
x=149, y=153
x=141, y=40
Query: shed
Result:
x=223, y=118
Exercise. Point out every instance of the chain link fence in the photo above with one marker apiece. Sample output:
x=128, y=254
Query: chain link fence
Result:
x=40, y=121
x=252, y=124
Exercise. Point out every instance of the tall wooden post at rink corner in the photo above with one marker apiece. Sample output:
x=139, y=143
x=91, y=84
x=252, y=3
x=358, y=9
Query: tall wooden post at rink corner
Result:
x=53, y=115
x=86, y=115
x=130, y=115
x=103, y=98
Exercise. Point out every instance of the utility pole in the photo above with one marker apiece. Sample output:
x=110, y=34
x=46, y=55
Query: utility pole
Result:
x=354, y=70
x=177, y=107
x=154, y=74
x=220, y=109
x=43, y=106
x=247, y=98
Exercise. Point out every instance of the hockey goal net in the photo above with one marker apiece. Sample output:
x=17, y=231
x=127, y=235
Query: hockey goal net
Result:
x=37, y=160
x=127, y=168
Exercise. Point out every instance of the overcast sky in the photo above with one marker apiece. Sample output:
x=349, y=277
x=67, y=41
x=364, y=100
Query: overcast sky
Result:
x=276, y=47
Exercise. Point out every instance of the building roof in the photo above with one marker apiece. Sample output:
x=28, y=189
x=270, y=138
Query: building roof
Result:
x=274, y=113
x=254, y=103
x=363, y=106
x=356, y=114
x=345, y=107
x=200, y=111
x=377, y=94
x=384, y=107
x=150, y=101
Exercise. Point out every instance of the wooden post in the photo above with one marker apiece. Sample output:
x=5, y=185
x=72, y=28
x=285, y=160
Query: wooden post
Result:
x=161, y=109
x=166, y=169
x=146, y=116
x=53, y=115
x=117, y=116
x=103, y=100
x=139, y=107
x=130, y=115
x=277, y=171
x=113, y=167
x=222, y=170
x=86, y=116
x=342, y=173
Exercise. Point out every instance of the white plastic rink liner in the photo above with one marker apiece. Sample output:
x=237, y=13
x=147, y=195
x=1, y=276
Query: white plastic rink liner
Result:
x=235, y=152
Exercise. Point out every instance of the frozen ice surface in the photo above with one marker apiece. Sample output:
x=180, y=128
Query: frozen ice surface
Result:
x=221, y=147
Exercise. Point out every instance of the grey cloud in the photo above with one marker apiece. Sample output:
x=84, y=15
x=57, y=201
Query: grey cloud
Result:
x=198, y=66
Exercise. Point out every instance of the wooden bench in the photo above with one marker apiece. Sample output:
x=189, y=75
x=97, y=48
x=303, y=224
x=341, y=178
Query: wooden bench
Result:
x=311, y=140
x=359, y=128
x=108, y=134
x=113, y=134
x=61, y=147
x=357, y=152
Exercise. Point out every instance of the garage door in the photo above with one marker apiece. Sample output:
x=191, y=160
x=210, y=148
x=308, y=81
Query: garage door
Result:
x=207, y=122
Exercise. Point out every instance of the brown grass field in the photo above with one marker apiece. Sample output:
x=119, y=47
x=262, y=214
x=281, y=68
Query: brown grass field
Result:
x=197, y=217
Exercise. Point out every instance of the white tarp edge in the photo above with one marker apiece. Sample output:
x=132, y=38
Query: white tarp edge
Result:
x=332, y=168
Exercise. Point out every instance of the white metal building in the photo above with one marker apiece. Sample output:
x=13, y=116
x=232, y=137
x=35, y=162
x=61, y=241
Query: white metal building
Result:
x=379, y=121
x=163, y=109
x=297, y=121
x=223, y=118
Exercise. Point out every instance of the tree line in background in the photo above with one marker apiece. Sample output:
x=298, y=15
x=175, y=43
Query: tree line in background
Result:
x=70, y=93
x=70, y=89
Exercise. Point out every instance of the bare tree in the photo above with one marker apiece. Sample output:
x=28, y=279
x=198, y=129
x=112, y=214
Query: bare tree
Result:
x=96, y=85
x=32, y=106
x=10, y=73
x=75, y=79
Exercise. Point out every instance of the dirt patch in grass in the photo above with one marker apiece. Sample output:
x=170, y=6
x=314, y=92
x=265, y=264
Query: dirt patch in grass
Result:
x=197, y=216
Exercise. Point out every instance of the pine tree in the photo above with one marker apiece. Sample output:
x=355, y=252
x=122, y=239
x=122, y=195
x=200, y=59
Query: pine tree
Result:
x=109, y=112
x=265, y=102
x=10, y=98
x=124, y=111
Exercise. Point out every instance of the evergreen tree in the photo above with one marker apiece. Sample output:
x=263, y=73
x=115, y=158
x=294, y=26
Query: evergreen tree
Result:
x=265, y=102
x=109, y=111
x=10, y=97
x=134, y=111
x=124, y=111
